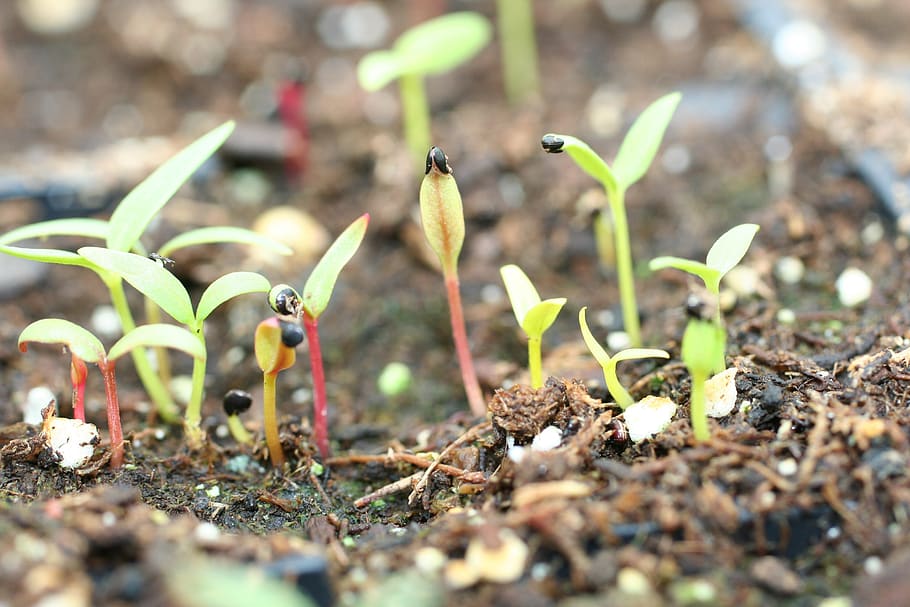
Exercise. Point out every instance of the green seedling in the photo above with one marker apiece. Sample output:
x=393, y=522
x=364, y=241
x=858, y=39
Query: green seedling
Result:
x=236, y=402
x=635, y=155
x=442, y=217
x=123, y=232
x=724, y=255
x=433, y=47
x=608, y=363
x=156, y=282
x=703, y=343
x=85, y=347
x=518, y=49
x=533, y=315
x=274, y=345
x=317, y=291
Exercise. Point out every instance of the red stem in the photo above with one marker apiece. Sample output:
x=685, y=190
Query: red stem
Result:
x=320, y=402
x=79, y=401
x=468, y=376
x=113, y=412
x=291, y=108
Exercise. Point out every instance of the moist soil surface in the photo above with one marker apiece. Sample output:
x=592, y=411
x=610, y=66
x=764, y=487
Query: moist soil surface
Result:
x=801, y=494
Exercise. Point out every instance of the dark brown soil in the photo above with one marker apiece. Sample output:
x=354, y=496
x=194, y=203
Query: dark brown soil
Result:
x=802, y=494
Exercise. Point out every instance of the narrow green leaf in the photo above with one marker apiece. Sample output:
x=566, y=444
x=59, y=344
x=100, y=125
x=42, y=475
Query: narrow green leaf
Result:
x=377, y=69
x=58, y=331
x=222, y=235
x=319, y=286
x=158, y=336
x=641, y=143
x=442, y=218
x=443, y=43
x=710, y=276
x=588, y=160
x=66, y=258
x=728, y=250
x=131, y=217
x=520, y=290
x=639, y=353
x=595, y=348
x=541, y=316
x=87, y=227
x=227, y=287
x=148, y=277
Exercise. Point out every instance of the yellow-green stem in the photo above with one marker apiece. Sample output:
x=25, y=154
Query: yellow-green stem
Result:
x=152, y=316
x=534, y=366
x=721, y=362
x=192, y=424
x=270, y=419
x=518, y=47
x=167, y=409
x=624, y=276
x=697, y=407
x=619, y=394
x=603, y=239
x=415, y=116
x=238, y=431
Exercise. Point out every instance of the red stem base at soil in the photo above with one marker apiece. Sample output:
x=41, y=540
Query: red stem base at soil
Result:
x=113, y=413
x=320, y=401
x=459, y=333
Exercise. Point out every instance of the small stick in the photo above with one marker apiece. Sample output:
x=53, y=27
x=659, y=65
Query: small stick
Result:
x=399, y=485
x=421, y=486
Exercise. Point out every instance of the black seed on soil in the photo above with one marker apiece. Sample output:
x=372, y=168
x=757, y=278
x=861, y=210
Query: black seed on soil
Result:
x=237, y=401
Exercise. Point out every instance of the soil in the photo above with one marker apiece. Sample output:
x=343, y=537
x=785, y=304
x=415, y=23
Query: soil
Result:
x=801, y=495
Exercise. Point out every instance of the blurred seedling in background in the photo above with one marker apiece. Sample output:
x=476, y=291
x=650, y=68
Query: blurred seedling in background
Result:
x=724, y=255
x=433, y=47
x=274, y=345
x=518, y=49
x=236, y=402
x=635, y=155
x=533, y=315
x=155, y=281
x=608, y=363
x=86, y=348
x=123, y=231
x=442, y=218
x=703, y=344
x=317, y=291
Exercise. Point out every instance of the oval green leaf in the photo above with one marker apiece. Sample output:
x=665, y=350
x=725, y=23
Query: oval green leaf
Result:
x=148, y=277
x=520, y=290
x=158, y=336
x=132, y=216
x=227, y=287
x=377, y=69
x=587, y=160
x=443, y=43
x=541, y=316
x=87, y=227
x=58, y=331
x=595, y=348
x=66, y=258
x=319, y=286
x=222, y=235
x=639, y=353
x=710, y=276
x=728, y=250
x=641, y=143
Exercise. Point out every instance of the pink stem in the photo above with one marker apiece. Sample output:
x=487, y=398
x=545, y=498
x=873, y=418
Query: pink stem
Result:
x=320, y=402
x=291, y=108
x=79, y=401
x=113, y=413
x=468, y=376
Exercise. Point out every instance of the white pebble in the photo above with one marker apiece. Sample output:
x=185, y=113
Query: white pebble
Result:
x=72, y=441
x=789, y=270
x=548, y=439
x=798, y=43
x=853, y=287
x=720, y=393
x=676, y=21
x=647, y=417
x=677, y=159
x=786, y=316
x=618, y=340
x=743, y=280
x=36, y=400
x=872, y=233
x=787, y=467
x=56, y=16
x=105, y=322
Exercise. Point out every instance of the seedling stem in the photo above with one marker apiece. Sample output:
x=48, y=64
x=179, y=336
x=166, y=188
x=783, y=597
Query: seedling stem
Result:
x=320, y=400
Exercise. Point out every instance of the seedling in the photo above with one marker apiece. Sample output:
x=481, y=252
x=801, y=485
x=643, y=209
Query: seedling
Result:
x=236, y=402
x=85, y=347
x=533, y=315
x=442, y=218
x=608, y=363
x=122, y=233
x=518, y=49
x=724, y=255
x=316, y=294
x=433, y=47
x=274, y=345
x=703, y=344
x=635, y=155
x=153, y=280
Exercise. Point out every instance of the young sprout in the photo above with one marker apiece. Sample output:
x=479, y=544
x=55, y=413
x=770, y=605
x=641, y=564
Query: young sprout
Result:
x=274, y=345
x=153, y=280
x=433, y=47
x=123, y=231
x=236, y=402
x=635, y=155
x=608, y=363
x=316, y=294
x=442, y=218
x=533, y=315
x=724, y=255
x=86, y=347
x=518, y=49
x=703, y=344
